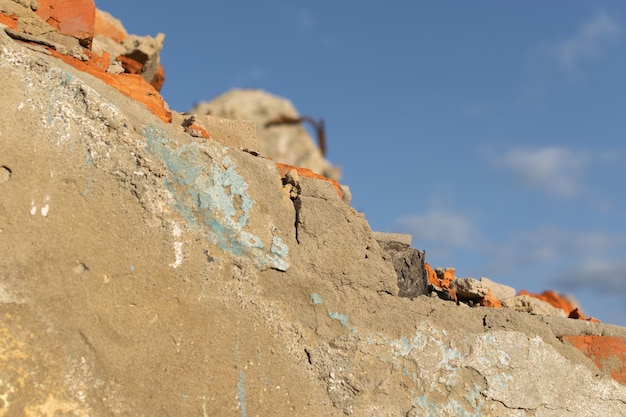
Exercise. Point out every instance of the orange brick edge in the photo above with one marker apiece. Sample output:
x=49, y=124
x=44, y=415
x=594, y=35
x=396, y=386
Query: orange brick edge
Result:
x=131, y=85
x=283, y=169
x=607, y=352
x=9, y=20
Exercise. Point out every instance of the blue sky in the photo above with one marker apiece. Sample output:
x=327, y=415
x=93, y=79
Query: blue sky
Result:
x=492, y=131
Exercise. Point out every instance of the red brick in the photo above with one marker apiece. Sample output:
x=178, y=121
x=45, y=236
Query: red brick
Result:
x=76, y=18
x=9, y=20
x=607, y=352
x=132, y=85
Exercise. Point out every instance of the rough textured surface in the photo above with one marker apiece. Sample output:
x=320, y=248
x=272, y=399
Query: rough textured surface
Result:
x=527, y=304
x=146, y=271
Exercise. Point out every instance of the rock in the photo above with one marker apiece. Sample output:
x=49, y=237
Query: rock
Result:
x=527, y=304
x=469, y=288
x=289, y=144
x=408, y=263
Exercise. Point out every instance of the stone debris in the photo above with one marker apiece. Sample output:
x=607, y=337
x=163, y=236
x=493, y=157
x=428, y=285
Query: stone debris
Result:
x=408, y=263
x=189, y=255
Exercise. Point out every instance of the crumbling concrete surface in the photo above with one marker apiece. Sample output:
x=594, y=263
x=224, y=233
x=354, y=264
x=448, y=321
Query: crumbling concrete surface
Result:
x=146, y=271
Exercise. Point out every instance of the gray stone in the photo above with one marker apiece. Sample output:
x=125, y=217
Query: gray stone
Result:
x=408, y=263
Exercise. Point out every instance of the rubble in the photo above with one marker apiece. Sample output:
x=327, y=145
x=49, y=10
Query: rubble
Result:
x=159, y=263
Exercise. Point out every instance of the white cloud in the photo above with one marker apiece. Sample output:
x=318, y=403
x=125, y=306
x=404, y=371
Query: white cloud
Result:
x=598, y=274
x=554, y=169
x=304, y=21
x=587, y=44
x=445, y=229
x=549, y=243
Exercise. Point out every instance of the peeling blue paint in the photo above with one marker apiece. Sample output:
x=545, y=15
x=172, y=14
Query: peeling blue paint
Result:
x=212, y=197
x=241, y=394
x=446, y=361
x=279, y=252
x=316, y=299
x=341, y=318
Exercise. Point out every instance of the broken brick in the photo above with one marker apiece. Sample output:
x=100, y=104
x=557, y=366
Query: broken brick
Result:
x=131, y=85
x=283, y=169
x=607, y=352
x=197, y=131
x=9, y=20
x=557, y=301
x=76, y=18
x=490, y=301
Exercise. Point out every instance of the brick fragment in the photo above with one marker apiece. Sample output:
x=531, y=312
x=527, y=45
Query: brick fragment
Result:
x=283, y=169
x=9, y=20
x=557, y=301
x=607, y=352
x=76, y=18
x=131, y=85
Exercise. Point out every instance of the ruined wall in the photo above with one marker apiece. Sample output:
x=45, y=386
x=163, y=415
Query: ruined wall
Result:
x=149, y=270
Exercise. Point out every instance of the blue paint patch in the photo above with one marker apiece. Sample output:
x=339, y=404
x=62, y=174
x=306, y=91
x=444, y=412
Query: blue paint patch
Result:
x=241, y=394
x=279, y=252
x=212, y=197
x=340, y=317
x=316, y=299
